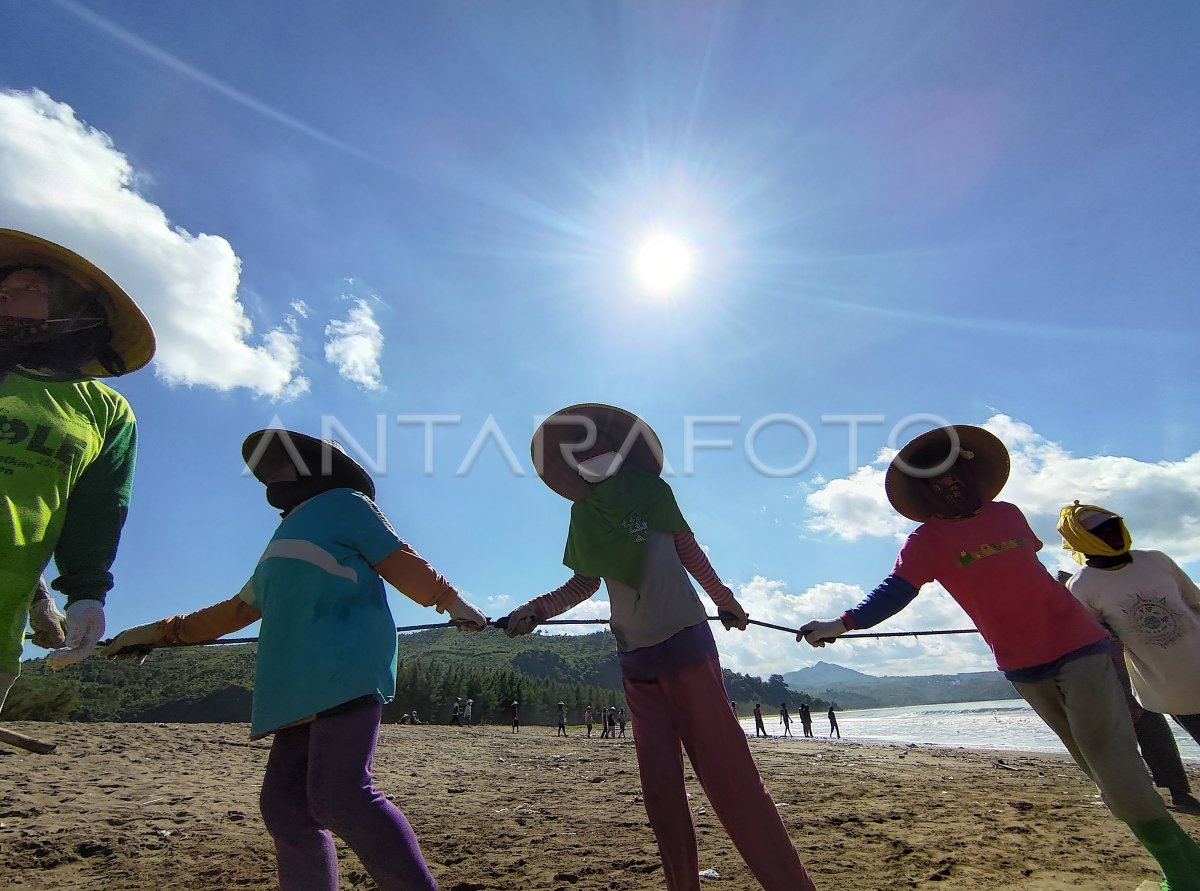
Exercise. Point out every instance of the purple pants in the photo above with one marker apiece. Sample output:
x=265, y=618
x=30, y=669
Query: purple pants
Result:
x=689, y=705
x=318, y=782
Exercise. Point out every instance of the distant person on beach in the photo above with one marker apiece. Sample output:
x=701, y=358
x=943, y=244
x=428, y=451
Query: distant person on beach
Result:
x=612, y=722
x=627, y=530
x=322, y=674
x=785, y=719
x=467, y=712
x=806, y=720
x=587, y=720
x=1044, y=640
x=833, y=724
x=415, y=719
x=604, y=723
x=516, y=717
x=68, y=444
x=621, y=720
x=562, y=719
x=760, y=729
x=455, y=709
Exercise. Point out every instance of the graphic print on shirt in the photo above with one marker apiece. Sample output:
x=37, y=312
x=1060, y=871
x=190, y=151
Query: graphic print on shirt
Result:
x=635, y=526
x=41, y=444
x=1153, y=619
x=966, y=558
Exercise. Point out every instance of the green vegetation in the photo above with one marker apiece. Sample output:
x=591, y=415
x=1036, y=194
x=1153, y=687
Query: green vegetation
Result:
x=203, y=684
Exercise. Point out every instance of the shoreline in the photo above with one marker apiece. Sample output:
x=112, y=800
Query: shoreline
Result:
x=174, y=806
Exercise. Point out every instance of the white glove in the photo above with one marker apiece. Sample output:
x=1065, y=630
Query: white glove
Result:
x=820, y=633
x=85, y=627
x=467, y=614
x=49, y=625
x=522, y=620
x=135, y=643
x=732, y=615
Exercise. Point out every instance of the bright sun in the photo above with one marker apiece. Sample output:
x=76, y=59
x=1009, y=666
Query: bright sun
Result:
x=662, y=263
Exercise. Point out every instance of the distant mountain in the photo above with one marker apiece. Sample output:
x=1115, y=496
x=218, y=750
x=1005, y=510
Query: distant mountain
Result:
x=825, y=674
x=853, y=689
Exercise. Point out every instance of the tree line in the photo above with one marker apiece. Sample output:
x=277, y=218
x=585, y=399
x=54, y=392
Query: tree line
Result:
x=436, y=668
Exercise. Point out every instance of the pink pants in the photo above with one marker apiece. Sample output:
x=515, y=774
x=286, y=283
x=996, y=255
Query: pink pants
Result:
x=690, y=706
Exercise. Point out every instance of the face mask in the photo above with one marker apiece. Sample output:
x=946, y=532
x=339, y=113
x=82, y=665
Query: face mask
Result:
x=601, y=467
x=290, y=494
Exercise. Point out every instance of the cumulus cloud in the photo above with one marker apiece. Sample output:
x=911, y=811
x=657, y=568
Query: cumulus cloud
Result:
x=65, y=181
x=354, y=344
x=763, y=652
x=1160, y=500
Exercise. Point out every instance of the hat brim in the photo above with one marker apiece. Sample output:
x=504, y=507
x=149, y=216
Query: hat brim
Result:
x=264, y=450
x=552, y=446
x=990, y=466
x=132, y=335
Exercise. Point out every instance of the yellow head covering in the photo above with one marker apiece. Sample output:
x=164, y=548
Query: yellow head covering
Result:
x=1078, y=538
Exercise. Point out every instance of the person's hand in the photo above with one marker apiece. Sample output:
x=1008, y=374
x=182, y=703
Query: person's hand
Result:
x=135, y=643
x=85, y=627
x=820, y=633
x=49, y=625
x=522, y=620
x=732, y=615
x=468, y=616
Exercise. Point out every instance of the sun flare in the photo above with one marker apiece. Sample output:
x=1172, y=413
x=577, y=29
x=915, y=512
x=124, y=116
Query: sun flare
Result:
x=663, y=263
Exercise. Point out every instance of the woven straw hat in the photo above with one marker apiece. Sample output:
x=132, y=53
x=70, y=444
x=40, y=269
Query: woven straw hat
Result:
x=553, y=456
x=938, y=450
x=264, y=450
x=132, y=336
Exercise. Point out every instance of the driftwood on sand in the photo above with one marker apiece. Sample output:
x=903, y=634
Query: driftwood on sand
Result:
x=28, y=743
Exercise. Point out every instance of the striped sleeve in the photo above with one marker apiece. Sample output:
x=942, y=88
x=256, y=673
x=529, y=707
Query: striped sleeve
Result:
x=578, y=589
x=695, y=562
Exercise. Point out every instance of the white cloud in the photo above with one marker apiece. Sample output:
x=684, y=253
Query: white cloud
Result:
x=354, y=345
x=65, y=181
x=1160, y=500
x=590, y=610
x=856, y=506
x=764, y=651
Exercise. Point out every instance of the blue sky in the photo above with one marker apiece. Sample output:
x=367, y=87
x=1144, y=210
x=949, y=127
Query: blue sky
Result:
x=980, y=212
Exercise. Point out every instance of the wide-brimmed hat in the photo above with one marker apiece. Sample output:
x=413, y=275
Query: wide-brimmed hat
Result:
x=938, y=450
x=577, y=424
x=132, y=336
x=264, y=450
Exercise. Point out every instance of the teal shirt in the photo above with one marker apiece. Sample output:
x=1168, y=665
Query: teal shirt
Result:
x=327, y=634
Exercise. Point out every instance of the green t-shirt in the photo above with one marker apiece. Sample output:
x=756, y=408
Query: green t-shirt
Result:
x=609, y=528
x=67, y=455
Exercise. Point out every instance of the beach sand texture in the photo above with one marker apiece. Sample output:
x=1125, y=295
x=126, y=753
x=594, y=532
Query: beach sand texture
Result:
x=166, y=806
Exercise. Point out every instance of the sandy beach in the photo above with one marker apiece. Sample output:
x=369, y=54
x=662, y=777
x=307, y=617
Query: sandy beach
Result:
x=162, y=806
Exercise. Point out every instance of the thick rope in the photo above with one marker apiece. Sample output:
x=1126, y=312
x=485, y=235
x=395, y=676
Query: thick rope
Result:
x=502, y=623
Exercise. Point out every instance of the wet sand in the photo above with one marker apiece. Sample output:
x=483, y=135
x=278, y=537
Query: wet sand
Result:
x=163, y=806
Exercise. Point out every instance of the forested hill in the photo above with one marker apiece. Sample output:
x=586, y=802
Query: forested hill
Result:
x=215, y=684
